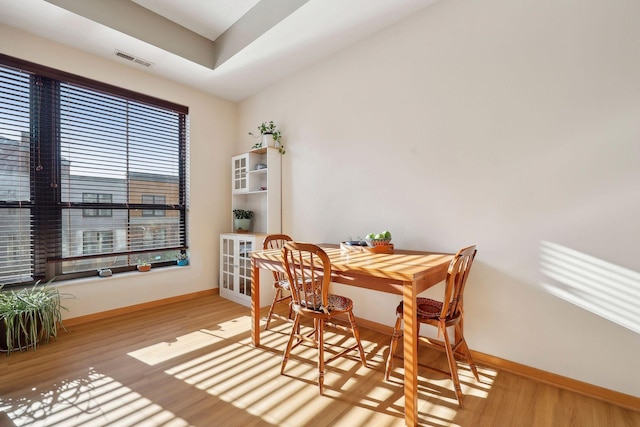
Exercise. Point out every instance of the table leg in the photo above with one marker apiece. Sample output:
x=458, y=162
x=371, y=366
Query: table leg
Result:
x=410, y=354
x=255, y=304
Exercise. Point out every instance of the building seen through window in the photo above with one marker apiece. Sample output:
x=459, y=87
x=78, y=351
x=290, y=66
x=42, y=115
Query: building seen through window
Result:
x=96, y=198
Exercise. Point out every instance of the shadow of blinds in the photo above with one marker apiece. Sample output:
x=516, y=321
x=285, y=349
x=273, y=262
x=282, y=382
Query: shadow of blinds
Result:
x=603, y=288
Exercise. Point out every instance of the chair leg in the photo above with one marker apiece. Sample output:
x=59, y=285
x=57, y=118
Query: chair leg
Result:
x=467, y=353
x=320, y=338
x=356, y=335
x=395, y=336
x=276, y=297
x=290, y=307
x=452, y=366
x=287, y=350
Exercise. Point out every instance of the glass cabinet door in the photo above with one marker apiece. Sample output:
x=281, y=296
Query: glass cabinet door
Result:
x=245, y=247
x=227, y=254
x=239, y=169
x=235, y=267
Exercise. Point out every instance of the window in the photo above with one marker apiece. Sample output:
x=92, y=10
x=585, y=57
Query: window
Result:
x=97, y=242
x=90, y=175
x=96, y=198
x=156, y=237
x=153, y=200
x=15, y=265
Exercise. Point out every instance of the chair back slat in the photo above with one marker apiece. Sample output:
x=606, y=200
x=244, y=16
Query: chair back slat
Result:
x=276, y=241
x=309, y=273
x=456, y=280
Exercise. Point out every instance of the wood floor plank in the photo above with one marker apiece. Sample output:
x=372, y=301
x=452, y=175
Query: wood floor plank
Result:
x=191, y=363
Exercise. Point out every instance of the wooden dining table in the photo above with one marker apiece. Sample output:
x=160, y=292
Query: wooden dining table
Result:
x=402, y=272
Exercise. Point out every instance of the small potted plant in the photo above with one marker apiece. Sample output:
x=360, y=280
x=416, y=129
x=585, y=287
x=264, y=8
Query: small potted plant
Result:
x=182, y=259
x=143, y=266
x=29, y=316
x=242, y=220
x=270, y=136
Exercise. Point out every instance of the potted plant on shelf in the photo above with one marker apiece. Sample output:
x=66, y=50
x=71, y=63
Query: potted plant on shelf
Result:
x=242, y=220
x=182, y=259
x=29, y=316
x=270, y=137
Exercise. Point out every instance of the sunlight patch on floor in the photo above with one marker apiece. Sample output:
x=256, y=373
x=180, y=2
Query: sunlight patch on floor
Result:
x=94, y=400
x=163, y=351
x=249, y=378
x=438, y=415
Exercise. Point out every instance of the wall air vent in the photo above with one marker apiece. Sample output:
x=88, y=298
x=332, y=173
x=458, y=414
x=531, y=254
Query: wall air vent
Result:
x=132, y=58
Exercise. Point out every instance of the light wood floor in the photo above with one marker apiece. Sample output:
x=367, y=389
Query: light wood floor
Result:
x=191, y=364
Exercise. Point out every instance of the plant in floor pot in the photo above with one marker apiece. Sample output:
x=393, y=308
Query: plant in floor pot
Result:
x=242, y=220
x=29, y=316
x=269, y=136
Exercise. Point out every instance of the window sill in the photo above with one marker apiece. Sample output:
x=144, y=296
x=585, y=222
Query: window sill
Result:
x=116, y=276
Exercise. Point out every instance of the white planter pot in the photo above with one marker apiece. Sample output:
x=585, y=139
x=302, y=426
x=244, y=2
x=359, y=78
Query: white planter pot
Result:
x=268, y=141
x=242, y=224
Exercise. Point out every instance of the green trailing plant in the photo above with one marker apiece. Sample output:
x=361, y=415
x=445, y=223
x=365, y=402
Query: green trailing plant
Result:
x=269, y=128
x=242, y=214
x=29, y=316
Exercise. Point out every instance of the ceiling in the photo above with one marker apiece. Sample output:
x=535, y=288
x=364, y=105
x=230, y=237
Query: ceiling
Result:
x=229, y=48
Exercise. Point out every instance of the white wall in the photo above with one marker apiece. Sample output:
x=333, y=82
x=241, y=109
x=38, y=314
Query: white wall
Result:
x=212, y=125
x=510, y=125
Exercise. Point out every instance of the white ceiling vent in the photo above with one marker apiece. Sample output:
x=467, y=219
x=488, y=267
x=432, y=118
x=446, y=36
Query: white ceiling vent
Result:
x=132, y=58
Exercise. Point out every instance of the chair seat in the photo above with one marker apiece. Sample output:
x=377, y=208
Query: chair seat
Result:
x=282, y=284
x=339, y=303
x=427, y=308
x=336, y=303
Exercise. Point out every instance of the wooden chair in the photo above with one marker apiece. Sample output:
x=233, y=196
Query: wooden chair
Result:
x=443, y=314
x=309, y=268
x=280, y=282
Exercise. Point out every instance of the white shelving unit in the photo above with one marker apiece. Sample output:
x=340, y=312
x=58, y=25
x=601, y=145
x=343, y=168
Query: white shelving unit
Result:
x=255, y=185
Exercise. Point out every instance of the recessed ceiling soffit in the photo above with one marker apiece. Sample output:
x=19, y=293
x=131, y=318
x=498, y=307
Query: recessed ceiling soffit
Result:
x=136, y=21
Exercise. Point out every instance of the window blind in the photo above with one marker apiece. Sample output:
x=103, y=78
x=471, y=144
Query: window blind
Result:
x=105, y=184
x=16, y=205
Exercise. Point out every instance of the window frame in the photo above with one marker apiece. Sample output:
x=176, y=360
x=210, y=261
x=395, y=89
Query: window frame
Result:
x=47, y=259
